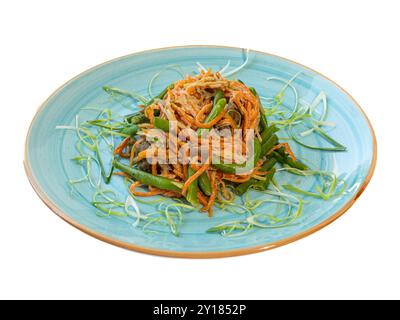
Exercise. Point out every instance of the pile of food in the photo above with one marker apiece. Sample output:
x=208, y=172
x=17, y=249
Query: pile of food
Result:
x=204, y=143
x=203, y=109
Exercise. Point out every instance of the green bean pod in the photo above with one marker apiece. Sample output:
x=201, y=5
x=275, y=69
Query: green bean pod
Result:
x=130, y=130
x=162, y=124
x=233, y=168
x=216, y=110
x=268, y=165
x=218, y=105
x=266, y=134
x=243, y=187
x=219, y=94
x=267, y=145
x=284, y=159
x=253, y=91
x=136, y=118
x=263, y=118
x=205, y=184
x=149, y=179
x=263, y=184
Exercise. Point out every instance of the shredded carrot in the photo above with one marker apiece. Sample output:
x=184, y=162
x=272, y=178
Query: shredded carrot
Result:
x=287, y=148
x=120, y=148
x=154, y=168
x=171, y=194
x=229, y=121
x=189, y=120
x=205, y=109
x=194, y=177
x=166, y=193
x=260, y=173
x=143, y=154
x=131, y=158
x=149, y=112
x=202, y=198
x=224, y=191
x=213, y=195
x=211, y=123
x=143, y=193
x=236, y=178
x=195, y=166
x=178, y=170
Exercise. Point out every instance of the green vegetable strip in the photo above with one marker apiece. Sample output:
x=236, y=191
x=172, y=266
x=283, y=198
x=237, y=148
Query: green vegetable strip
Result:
x=296, y=164
x=263, y=185
x=257, y=152
x=243, y=187
x=98, y=123
x=123, y=129
x=218, y=105
x=205, y=184
x=252, y=89
x=161, y=95
x=266, y=134
x=216, y=110
x=339, y=147
x=136, y=97
x=283, y=158
x=136, y=118
x=226, y=168
x=131, y=130
x=336, y=145
x=227, y=227
x=106, y=177
x=268, y=165
x=106, y=210
x=191, y=195
x=218, y=95
x=331, y=192
x=267, y=145
x=148, y=179
x=302, y=192
x=161, y=124
x=263, y=118
x=232, y=168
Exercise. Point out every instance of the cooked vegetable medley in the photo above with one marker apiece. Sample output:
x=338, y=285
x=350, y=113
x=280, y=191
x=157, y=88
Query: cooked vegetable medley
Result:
x=202, y=143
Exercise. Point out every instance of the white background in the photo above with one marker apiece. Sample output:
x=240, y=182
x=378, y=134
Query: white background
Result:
x=45, y=43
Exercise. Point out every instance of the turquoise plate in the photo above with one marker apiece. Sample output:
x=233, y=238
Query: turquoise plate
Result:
x=49, y=151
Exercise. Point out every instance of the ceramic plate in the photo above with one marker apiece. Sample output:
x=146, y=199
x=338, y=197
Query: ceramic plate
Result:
x=49, y=151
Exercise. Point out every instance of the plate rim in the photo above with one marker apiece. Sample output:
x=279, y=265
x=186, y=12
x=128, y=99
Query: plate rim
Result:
x=201, y=254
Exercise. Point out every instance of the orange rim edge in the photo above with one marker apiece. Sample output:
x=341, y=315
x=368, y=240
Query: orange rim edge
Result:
x=211, y=254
